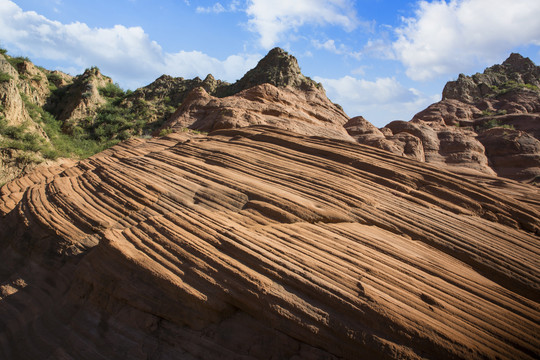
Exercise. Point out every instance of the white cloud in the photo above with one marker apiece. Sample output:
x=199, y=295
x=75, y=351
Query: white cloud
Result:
x=379, y=48
x=128, y=55
x=194, y=63
x=341, y=49
x=216, y=9
x=272, y=19
x=378, y=101
x=449, y=37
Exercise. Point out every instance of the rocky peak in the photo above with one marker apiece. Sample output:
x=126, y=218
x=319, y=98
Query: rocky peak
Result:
x=514, y=74
x=277, y=68
x=518, y=63
x=82, y=97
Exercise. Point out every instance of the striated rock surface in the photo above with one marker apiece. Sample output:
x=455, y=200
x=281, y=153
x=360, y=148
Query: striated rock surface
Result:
x=256, y=243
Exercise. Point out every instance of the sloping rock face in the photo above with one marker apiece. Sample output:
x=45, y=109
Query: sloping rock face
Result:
x=455, y=132
x=306, y=112
x=255, y=243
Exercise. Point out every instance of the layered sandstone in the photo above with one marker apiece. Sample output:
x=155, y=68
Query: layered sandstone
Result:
x=256, y=243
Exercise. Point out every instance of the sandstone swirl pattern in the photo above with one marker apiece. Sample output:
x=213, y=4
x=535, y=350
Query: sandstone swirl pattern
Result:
x=258, y=244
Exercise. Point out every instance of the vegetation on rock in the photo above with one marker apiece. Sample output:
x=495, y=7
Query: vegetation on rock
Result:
x=76, y=117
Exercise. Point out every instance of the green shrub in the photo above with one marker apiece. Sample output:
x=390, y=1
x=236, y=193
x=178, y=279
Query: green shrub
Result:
x=4, y=77
x=491, y=123
x=54, y=77
x=111, y=91
x=512, y=85
x=532, y=87
x=3, y=51
x=15, y=61
x=165, y=132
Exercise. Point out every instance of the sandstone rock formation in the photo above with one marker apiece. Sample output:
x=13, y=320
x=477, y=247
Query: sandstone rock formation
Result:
x=23, y=86
x=277, y=68
x=255, y=243
x=274, y=93
x=11, y=103
x=306, y=112
x=455, y=132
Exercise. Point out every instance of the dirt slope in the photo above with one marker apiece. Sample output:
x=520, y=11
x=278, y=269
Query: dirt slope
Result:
x=258, y=244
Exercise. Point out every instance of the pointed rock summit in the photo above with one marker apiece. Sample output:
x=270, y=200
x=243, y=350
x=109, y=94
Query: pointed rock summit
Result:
x=277, y=68
x=274, y=93
x=514, y=73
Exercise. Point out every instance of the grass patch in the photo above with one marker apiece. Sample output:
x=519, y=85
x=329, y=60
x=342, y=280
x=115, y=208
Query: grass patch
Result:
x=111, y=91
x=165, y=132
x=16, y=61
x=512, y=85
x=492, y=123
x=4, y=77
x=61, y=144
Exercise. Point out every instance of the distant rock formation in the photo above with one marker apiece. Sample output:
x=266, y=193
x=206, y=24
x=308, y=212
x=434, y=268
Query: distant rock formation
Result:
x=456, y=132
x=258, y=243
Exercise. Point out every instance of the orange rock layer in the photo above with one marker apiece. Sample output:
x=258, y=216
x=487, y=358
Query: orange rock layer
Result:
x=258, y=244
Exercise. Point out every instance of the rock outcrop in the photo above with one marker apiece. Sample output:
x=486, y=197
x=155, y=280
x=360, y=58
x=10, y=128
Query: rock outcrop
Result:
x=82, y=98
x=161, y=98
x=256, y=243
x=456, y=132
x=277, y=68
x=274, y=93
x=11, y=104
x=306, y=112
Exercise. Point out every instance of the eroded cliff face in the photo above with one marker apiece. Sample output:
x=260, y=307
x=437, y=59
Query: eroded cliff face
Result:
x=456, y=132
x=258, y=243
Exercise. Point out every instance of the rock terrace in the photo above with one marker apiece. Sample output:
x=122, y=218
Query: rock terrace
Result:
x=256, y=243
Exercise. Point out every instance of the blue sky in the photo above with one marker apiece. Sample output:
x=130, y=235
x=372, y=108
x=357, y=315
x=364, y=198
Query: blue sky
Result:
x=382, y=59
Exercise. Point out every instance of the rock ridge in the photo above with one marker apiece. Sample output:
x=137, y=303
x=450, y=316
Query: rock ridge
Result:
x=487, y=123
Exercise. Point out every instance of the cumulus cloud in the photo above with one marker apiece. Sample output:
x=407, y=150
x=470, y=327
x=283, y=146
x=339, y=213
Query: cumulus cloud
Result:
x=272, y=19
x=341, y=49
x=447, y=37
x=377, y=100
x=217, y=8
x=125, y=53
